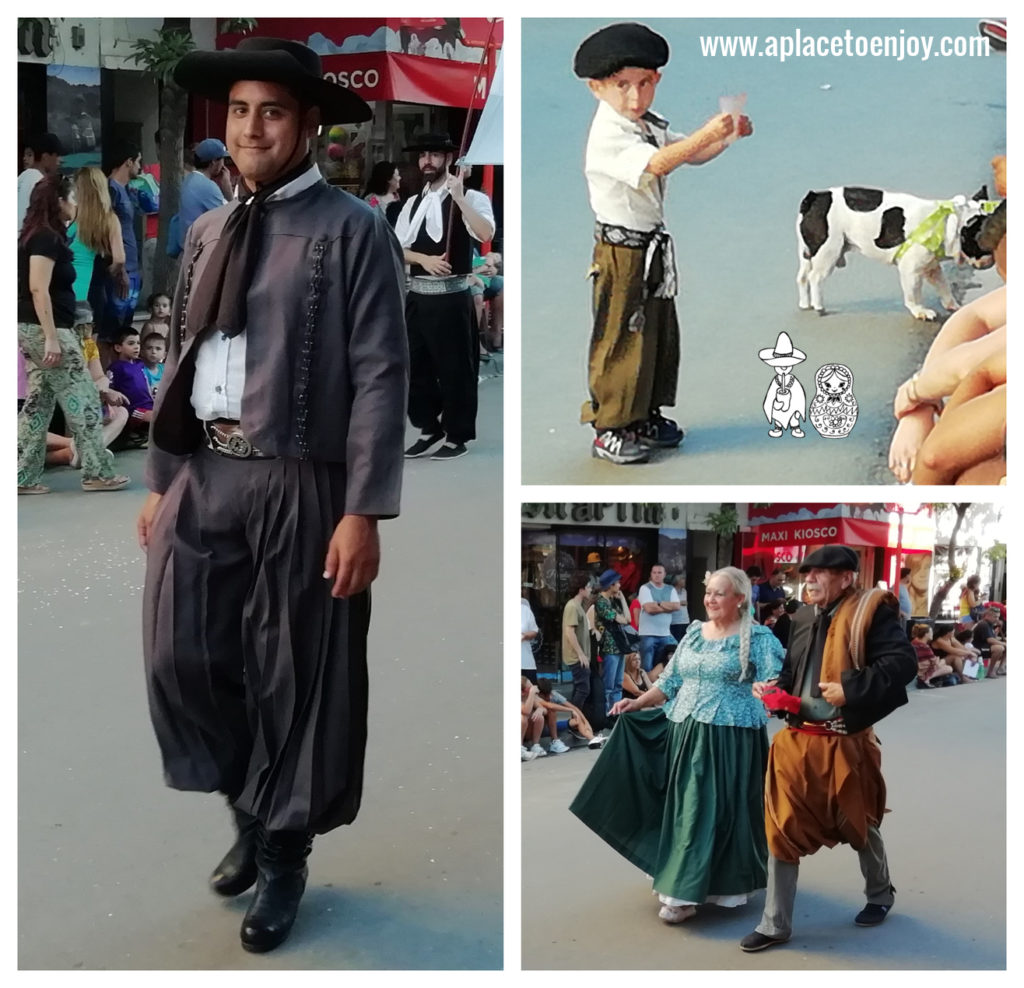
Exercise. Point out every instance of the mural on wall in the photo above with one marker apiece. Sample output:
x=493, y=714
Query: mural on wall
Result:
x=73, y=113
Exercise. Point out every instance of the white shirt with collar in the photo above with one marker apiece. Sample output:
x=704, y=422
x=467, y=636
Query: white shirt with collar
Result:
x=220, y=360
x=430, y=211
x=622, y=192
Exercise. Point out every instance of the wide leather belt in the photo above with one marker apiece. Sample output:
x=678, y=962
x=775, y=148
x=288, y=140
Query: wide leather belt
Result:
x=834, y=727
x=439, y=286
x=225, y=437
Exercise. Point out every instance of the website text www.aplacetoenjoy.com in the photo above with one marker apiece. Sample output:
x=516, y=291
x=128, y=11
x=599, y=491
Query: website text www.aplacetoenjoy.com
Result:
x=899, y=45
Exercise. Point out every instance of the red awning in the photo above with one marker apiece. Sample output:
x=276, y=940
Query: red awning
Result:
x=412, y=60
x=918, y=532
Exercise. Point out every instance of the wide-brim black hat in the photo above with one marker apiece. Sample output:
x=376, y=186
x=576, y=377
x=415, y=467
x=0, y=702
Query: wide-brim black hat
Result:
x=831, y=557
x=289, y=63
x=433, y=142
x=617, y=47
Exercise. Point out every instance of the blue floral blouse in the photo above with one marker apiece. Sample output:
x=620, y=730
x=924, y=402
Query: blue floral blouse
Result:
x=702, y=678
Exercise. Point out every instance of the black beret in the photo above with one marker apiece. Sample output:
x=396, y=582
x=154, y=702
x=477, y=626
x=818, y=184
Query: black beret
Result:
x=619, y=46
x=831, y=557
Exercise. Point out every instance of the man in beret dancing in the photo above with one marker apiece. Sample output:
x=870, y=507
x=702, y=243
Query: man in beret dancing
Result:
x=847, y=666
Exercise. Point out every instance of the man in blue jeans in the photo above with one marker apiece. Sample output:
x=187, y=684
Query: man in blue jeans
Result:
x=657, y=601
x=611, y=612
x=576, y=640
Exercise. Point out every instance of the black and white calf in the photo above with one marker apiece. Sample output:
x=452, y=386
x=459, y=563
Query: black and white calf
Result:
x=891, y=227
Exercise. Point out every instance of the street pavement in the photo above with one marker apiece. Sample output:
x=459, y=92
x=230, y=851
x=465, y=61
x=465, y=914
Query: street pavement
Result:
x=113, y=866
x=944, y=760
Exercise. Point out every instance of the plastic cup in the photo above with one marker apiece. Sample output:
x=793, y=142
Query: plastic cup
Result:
x=733, y=105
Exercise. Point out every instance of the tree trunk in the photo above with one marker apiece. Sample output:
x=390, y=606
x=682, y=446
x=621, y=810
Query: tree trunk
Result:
x=942, y=591
x=173, y=116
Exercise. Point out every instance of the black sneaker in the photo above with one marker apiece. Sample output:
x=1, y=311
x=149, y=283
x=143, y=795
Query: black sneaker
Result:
x=450, y=451
x=658, y=431
x=619, y=446
x=422, y=446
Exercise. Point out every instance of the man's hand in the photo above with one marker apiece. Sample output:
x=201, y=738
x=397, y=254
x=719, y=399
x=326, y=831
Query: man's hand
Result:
x=584, y=661
x=719, y=127
x=833, y=693
x=144, y=525
x=114, y=398
x=456, y=183
x=353, y=555
x=436, y=265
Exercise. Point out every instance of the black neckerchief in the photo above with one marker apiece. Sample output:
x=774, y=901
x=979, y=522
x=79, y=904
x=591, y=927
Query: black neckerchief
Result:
x=219, y=296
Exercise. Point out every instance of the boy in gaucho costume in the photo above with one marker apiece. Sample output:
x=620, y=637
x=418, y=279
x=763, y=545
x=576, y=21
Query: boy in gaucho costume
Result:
x=846, y=667
x=634, y=346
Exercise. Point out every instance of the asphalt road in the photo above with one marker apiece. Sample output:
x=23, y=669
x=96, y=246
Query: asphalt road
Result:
x=112, y=866
x=944, y=760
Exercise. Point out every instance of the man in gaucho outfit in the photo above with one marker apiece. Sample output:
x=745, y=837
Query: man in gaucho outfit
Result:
x=847, y=666
x=276, y=445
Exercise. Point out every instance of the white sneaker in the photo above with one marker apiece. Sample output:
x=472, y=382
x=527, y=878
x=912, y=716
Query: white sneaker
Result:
x=558, y=746
x=528, y=756
x=597, y=741
x=538, y=752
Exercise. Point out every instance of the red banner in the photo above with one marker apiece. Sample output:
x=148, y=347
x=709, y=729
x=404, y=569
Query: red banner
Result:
x=845, y=531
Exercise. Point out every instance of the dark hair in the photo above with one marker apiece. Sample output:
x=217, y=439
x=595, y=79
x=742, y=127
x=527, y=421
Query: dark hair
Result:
x=778, y=570
x=974, y=581
x=943, y=628
x=662, y=565
x=963, y=636
x=380, y=176
x=753, y=571
x=125, y=333
x=792, y=605
x=43, y=211
x=152, y=298
x=905, y=571
x=577, y=582
x=119, y=152
x=154, y=336
x=544, y=687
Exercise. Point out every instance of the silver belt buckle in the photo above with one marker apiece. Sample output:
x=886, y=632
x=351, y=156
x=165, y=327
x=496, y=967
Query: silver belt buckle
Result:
x=239, y=446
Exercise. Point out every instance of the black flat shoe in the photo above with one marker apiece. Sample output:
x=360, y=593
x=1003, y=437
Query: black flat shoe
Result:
x=237, y=869
x=281, y=861
x=760, y=941
x=872, y=915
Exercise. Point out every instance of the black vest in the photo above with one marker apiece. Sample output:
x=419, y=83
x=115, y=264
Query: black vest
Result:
x=460, y=257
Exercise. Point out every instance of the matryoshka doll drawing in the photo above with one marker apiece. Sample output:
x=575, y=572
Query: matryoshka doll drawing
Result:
x=785, y=404
x=834, y=408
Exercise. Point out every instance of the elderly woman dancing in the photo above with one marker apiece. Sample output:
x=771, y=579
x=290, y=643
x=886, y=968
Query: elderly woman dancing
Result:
x=679, y=791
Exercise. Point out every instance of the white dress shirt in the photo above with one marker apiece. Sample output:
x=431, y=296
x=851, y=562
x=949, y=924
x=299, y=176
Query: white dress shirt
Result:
x=220, y=360
x=621, y=191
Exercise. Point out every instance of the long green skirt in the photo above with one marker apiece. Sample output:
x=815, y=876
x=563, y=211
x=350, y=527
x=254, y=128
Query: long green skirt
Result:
x=682, y=801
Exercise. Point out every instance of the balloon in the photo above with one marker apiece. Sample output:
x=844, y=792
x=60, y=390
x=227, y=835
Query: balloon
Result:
x=337, y=133
x=335, y=152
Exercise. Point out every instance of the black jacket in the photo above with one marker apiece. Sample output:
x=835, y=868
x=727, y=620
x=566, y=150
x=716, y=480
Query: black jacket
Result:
x=872, y=692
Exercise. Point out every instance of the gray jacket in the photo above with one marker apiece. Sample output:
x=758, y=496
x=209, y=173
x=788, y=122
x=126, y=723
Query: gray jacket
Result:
x=327, y=361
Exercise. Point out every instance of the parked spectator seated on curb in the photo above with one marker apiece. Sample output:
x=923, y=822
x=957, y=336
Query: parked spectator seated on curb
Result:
x=962, y=659
x=931, y=669
x=554, y=703
x=635, y=682
x=531, y=719
x=991, y=646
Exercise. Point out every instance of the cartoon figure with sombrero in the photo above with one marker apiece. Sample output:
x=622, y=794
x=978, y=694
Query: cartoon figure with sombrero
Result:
x=785, y=405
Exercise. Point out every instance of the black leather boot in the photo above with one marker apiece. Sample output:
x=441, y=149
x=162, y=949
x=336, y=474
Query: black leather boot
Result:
x=281, y=860
x=237, y=870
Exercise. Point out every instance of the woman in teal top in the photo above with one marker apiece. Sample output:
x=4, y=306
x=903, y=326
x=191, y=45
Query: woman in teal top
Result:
x=679, y=790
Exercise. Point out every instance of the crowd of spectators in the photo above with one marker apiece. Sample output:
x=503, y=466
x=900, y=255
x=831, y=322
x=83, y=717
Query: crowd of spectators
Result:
x=616, y=646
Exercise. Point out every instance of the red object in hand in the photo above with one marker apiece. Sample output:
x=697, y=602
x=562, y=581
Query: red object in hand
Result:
x=776, y=699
